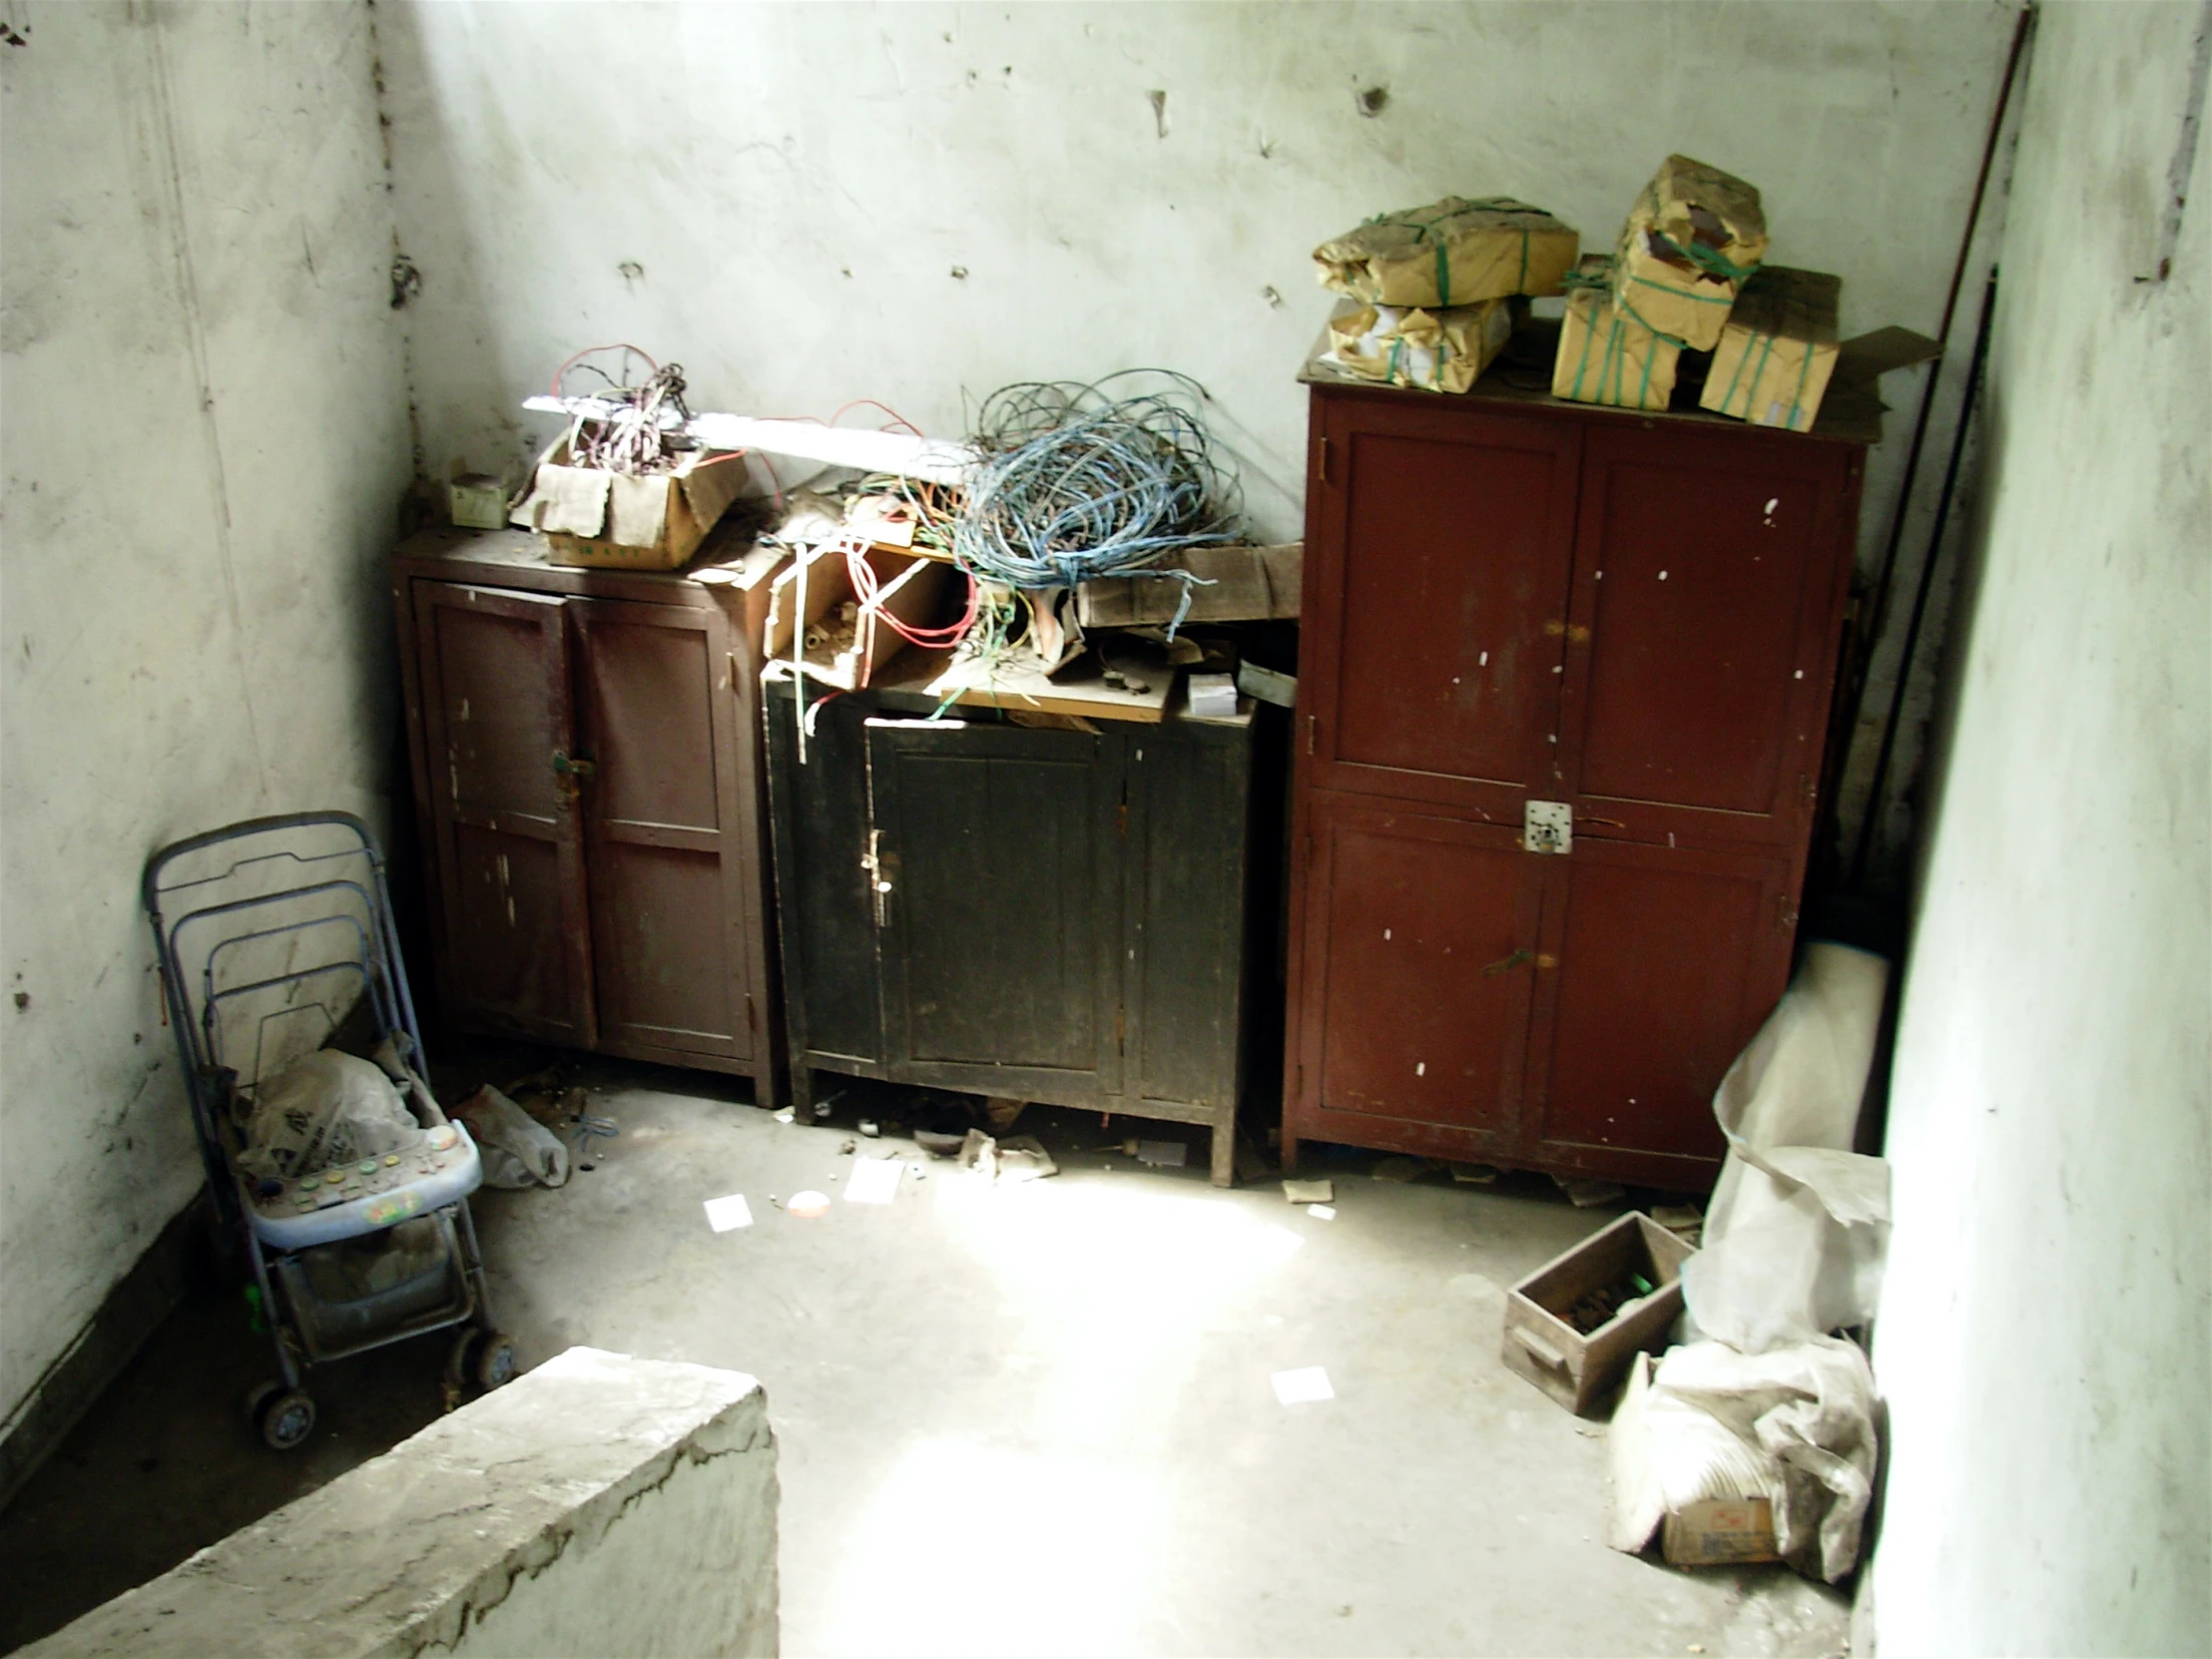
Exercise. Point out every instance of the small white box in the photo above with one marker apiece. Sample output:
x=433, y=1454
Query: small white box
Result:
x=1213, y=697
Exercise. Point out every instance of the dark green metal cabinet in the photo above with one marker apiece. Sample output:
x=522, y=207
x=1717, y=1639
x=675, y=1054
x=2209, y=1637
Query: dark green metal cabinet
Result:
x=1044, y=915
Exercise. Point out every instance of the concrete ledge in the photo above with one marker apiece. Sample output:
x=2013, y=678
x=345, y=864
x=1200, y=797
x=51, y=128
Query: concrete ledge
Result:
x=598, y=1505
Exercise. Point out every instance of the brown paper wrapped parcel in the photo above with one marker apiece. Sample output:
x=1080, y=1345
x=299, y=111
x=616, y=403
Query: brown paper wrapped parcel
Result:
x=1445, y=349
x=1606, y=358
x=1451, y=253
x=1778, y=350
x=1693, y=236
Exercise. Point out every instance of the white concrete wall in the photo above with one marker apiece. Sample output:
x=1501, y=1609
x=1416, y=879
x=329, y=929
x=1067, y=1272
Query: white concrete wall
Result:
x=2047, y=1326
x=205, y=428
x=599, y=1506
x=799, y=183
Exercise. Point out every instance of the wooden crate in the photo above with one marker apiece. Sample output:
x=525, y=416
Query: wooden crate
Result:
x=1577, y=1370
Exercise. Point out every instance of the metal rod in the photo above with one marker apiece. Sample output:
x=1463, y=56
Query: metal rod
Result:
x=1925, y=585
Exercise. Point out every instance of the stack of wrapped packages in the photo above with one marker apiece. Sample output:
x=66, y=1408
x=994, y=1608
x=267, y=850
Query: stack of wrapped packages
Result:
x=1432, y=288
x=1688, y=275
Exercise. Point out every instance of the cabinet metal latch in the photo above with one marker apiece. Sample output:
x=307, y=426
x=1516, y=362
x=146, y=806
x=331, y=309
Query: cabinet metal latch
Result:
x=1547, y=826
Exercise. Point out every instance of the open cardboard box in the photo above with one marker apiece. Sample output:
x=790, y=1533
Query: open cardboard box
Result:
x=1579, y=1370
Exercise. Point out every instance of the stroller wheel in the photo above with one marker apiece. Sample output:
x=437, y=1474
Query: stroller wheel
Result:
x=495, y=1362
x=260, y=1394
x=460, y=1363
x=284, y=1418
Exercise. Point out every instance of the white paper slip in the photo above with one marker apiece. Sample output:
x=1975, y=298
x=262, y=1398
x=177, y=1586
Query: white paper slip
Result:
x=1302, y=1387
x=723, y=1213
x=874, y=1180
x=1322, y=1212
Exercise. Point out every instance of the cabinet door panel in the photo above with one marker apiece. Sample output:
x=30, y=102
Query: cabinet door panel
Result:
x=1188, y=801
x=1436, y=597
x=1667, y=963
x=1420, y=937
x=1697, y=698
x=496, y=710
x=1003, y=893
x=659, y=818
x=824, y=889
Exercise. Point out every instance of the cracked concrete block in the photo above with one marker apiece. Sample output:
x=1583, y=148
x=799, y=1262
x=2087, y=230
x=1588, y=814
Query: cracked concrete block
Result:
x=599, y=1504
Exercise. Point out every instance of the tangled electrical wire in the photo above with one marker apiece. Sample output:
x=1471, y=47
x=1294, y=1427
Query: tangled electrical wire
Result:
x=645, y=431
x=1074, y=484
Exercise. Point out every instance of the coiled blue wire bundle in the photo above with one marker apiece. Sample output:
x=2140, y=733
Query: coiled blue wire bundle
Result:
x=1075, y=484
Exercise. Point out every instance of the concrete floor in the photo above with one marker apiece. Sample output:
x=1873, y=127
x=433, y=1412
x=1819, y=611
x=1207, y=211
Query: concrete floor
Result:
x=1022, y=1420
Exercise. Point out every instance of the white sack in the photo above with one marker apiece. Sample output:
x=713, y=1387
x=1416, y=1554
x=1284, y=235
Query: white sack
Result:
x=1794, y=1425
x=325, y=1108
x=1799, y=1224
x=517, y=1150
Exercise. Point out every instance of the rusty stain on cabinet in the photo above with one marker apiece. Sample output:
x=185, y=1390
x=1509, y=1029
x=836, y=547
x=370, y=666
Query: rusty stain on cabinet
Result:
x=1631, y=622
x=588, y=794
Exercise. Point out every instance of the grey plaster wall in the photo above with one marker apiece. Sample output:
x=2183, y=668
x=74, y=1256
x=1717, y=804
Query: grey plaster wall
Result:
x=598, y=1505
x=205, y=433
x=2047, y=1316
x=811, y=204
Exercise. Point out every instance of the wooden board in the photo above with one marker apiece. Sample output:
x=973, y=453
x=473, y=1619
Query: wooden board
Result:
x=1081, y=690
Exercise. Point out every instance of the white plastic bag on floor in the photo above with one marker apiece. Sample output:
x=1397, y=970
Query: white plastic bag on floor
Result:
x=1798, y=1229
x=325, y=1108
x=1794, y=1425
x=516, y=1149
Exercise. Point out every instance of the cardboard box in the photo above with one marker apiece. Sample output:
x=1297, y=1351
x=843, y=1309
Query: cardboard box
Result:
x=1244, y=584
x=1442, y=350
x=1719, y=1532
x=1451, y=253
x=1606, y=358
x=1579, y=1370
x=1778, y=350
x=1693, y=238
x=620, y=521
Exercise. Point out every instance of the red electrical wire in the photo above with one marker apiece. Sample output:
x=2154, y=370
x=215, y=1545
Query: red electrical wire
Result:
x=618, y=345
x=866, y=589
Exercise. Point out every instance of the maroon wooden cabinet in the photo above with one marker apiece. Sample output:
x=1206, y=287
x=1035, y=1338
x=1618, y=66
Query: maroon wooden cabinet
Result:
x=586, y=764
x=1632, y=618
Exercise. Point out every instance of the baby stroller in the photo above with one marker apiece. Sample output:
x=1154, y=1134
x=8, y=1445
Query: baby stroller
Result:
x=341, y=1180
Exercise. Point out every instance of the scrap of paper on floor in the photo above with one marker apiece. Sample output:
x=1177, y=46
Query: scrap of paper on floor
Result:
x=723, y=1213
x=873, y=1180
x=1303, y=1386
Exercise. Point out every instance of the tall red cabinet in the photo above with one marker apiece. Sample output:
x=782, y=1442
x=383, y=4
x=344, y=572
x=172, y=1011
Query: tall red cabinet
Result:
x=1563, y=700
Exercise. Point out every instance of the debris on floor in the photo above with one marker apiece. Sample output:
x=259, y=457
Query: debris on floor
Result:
x=807, y=1204
x=516, y=1149
x=1402, y=1169
x=1018, y=1158
x=1303, y=1386
x=727, y=1213
x=1310, y=1192
x=1322, y=1212
x=1685, y=1220
x=785, y=1116
x=1160, y=1154
x=1589, y=1195
x=1002, y=1114
x=1474, y=1175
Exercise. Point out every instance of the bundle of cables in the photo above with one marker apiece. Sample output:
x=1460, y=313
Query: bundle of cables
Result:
x=1076, y=483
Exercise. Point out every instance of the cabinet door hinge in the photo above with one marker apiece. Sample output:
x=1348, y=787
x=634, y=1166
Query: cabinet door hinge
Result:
x=752, y=1020
x=1324, y=464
